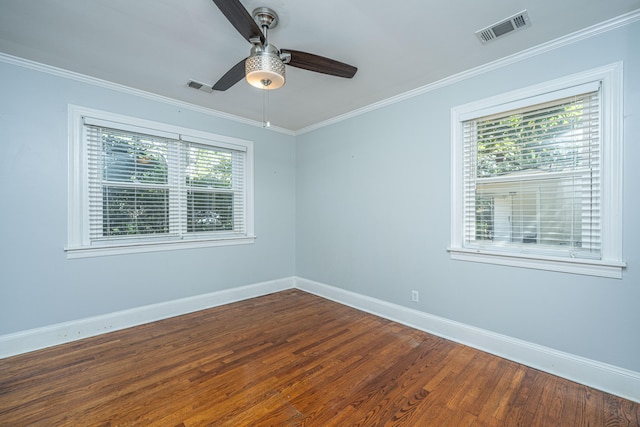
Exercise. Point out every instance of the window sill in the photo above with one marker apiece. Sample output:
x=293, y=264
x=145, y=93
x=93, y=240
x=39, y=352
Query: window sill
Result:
x=130, y=248
x=599, y=268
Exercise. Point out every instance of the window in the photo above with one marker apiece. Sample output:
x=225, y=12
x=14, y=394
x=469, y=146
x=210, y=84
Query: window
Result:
x=138, y=186
x=536, y=176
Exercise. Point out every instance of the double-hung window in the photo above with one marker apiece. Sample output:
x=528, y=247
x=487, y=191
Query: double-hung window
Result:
x=143, y=186
x=537, y=177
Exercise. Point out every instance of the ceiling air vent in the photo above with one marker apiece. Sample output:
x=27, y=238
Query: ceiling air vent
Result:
x=199, y=86
x=506, y=26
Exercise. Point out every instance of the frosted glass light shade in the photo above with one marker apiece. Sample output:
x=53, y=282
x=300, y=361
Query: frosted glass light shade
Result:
x=265, y=71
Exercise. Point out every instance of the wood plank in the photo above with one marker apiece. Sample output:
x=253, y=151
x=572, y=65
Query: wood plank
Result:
x=288, y=358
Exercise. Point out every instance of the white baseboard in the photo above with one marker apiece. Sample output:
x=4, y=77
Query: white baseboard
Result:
x=611, y=379
x=608, y=378
x=47, y=336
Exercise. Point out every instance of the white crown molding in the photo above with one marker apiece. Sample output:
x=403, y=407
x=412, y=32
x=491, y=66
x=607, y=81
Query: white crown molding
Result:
x=611, y=379
x=575, y=37
x=61, y=333
x=569, y=39
x=94, y=81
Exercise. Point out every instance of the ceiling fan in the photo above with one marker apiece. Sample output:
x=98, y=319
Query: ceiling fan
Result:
x=265, y=66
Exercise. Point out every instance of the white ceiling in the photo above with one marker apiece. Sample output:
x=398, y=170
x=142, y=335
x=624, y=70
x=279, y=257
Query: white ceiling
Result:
x=158, y=45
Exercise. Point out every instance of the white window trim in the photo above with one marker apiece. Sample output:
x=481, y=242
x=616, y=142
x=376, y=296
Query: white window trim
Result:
x=77, y=226
x=611, y=264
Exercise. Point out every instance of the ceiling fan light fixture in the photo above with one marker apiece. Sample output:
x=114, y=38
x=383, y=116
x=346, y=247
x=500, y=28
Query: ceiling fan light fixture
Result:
x=265, y=70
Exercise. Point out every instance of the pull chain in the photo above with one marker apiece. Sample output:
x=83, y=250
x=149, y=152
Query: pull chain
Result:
x=265, y=83
x=265, y=103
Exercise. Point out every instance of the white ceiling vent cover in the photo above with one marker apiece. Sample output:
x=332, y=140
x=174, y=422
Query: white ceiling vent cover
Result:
x=517, y=22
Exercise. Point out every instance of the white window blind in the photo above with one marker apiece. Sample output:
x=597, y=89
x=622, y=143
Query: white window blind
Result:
x=215, y=189
x=144, y=187
x=532, y=179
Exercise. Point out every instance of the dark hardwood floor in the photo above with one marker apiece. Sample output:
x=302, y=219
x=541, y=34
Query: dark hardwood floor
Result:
x=288, y=359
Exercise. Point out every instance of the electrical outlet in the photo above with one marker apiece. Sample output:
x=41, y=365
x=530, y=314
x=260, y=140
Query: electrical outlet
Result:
x=415, y=296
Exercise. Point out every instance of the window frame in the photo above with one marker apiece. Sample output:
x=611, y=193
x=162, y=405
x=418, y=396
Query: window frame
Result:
x=611, y=263
x=79, y=244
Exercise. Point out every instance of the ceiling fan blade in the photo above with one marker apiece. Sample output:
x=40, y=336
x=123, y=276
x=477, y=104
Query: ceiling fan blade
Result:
x=240, y=18
x=320, y=64
x=231, y=77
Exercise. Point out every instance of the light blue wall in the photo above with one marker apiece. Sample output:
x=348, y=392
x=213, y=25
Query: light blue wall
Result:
x=373, y=216
x=369, y=197
x=39, y=286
